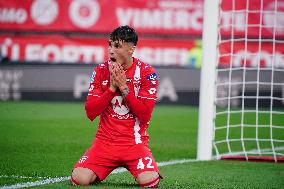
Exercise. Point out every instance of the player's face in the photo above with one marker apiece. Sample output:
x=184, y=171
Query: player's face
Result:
x=120, y=51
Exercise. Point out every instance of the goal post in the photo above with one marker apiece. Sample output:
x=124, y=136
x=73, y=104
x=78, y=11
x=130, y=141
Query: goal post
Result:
x=241, y=106
x=207, y=79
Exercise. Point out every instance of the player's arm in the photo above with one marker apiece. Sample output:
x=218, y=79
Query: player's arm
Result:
x=142, y=106
x=97, y=99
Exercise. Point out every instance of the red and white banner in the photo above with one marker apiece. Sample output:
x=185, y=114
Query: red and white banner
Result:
x=252, y=55
x=257, y=19
x=155, y=16
x=59, y=49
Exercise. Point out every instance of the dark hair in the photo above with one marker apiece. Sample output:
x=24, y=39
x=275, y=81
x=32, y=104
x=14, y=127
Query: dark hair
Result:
x=124, y=33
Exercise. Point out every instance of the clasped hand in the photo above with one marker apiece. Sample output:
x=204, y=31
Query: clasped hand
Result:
x=117, y=76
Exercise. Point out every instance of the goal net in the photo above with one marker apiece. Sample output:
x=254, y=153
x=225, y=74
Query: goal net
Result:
x=248, y=101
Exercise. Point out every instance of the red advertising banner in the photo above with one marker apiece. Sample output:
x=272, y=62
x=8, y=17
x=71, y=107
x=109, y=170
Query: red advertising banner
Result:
x=252, y=19
x=239, y=54
x=155, y=16
x=157, y=52
x=59, y=49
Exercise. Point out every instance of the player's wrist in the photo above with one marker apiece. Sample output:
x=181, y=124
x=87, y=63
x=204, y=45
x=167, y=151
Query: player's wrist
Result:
x=112, y=88
x=124, y=90
x=123, y=87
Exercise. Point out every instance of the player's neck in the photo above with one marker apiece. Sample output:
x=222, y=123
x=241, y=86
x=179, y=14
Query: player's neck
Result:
x=128, y=63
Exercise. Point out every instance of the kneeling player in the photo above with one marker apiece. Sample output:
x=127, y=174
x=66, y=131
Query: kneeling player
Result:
x=123, y=93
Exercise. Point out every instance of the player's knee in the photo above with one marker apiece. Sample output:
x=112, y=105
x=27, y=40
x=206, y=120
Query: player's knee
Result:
x=80, y=180
x=149, y=179
x=82, y=176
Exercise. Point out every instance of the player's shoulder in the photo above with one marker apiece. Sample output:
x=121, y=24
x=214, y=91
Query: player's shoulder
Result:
x=145, y=67
x=148, y=71
x=102, y=66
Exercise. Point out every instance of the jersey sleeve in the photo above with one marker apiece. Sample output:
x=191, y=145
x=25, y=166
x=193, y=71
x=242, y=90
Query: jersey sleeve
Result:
x=97, y=99
x=142, y=106
x=149, y=85
x=95, y=88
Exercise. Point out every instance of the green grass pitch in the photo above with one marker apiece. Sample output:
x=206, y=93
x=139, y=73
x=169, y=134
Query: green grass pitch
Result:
x=41, y=140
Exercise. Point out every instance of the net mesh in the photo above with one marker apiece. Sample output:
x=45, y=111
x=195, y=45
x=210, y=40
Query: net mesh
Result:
x=249, y=114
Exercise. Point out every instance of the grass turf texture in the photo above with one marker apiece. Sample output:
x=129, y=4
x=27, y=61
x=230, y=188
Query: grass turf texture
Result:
x=46, y=139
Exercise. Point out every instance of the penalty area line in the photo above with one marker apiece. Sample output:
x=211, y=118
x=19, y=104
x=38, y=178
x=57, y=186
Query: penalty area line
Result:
x=62, y=179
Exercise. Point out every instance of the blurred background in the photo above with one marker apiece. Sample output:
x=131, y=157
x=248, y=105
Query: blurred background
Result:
x=49, y=48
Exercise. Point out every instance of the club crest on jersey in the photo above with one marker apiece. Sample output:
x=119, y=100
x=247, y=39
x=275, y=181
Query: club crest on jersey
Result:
x=152, y=76
x=93, y=76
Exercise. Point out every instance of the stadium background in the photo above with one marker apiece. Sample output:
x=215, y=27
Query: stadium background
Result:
x=49, y=48
x=48, y=51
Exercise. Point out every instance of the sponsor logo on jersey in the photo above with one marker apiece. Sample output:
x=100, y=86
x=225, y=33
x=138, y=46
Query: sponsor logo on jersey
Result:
x=152, y=76
x=105, y=82
x=152, y=90
x=119, y=106
x=154, y=82
x=128, y=80
x=93, y=76
x=91, y=87
x=83, y=159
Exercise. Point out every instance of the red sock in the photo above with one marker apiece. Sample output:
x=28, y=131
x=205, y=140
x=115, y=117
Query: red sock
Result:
x=153, y=184
x=74, y=181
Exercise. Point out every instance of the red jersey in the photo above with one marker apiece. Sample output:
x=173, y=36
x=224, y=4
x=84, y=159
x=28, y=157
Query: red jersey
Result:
x=123, y=121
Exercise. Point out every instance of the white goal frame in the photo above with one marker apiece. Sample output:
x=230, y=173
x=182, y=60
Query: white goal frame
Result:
x=207, y=84
x=208, y=99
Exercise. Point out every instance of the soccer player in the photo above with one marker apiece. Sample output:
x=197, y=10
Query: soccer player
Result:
x=123, y=93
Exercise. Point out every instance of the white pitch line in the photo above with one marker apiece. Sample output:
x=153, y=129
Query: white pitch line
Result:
x=62, y=179
x=21, y=177
x=36, y=183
